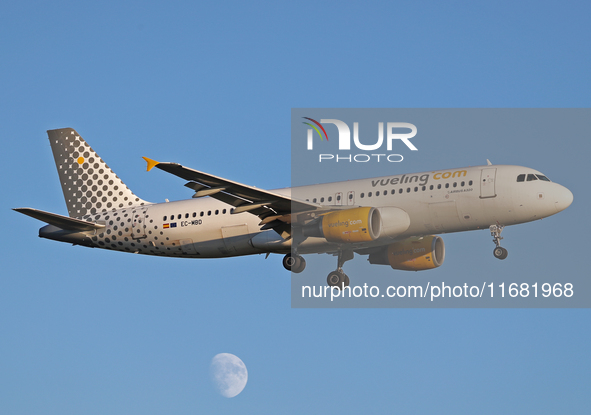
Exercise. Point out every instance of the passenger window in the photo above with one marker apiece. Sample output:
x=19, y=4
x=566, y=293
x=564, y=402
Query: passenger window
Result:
x=521, y=178
x=224, y=211
x=424, y=188
x=378, y=193
x=408, y=190
x=447, y=185
x=542, y=177
x=202, y=213
x=164, y=218
x=470, y=182
x=431, y=187
x=314, y=200
x=217, y=211
x=194, y=214
x=531, y=177
x=463, y=183
x=400, y=190
x=438, y=186
x=179, y=216
x=393, y=191
x=186, y=216
x=209, y=213
x=321, y=199
x=369, y=194
x=362, y=195
x=455, y=184
x=330, y=198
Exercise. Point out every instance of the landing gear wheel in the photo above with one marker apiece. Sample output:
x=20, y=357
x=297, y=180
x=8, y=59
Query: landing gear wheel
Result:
x=500, y=252
x=495, y=231
x=294, y=263
x=337, y=279
x=288, y=262
x=299, y=266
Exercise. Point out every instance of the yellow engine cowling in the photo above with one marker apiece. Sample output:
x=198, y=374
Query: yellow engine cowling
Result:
x=352, y=225
x=412, y=254
x=362, y=224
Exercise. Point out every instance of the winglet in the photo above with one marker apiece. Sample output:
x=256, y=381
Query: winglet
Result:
x=151, y=163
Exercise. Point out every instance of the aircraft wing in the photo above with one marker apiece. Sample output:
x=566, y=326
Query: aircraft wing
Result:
x=274, y=209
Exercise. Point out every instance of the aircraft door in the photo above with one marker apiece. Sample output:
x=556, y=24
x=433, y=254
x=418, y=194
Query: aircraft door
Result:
x=350, y=198
x=338, y=199
x=138, y=222
x=487, y=182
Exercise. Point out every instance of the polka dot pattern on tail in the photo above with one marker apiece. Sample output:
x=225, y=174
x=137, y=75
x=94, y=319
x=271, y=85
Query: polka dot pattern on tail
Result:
x=88, y=184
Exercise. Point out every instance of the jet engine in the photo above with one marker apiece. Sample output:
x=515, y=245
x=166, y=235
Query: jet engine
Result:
x=412, y=254
x=362, y=224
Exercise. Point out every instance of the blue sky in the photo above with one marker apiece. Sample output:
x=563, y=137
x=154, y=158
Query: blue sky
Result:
x=211, y=86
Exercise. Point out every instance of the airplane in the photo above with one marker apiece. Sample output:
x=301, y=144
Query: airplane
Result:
x=393, y=219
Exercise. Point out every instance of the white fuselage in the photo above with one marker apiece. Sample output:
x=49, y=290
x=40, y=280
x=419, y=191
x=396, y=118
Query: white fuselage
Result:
x=437, y=202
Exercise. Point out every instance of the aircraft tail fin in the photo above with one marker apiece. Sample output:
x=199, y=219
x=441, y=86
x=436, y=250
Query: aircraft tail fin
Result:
x=89, y=185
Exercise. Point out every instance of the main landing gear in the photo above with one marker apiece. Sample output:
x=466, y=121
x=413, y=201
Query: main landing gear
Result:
x=294, y=263
x=499, y=252
x=338, y=278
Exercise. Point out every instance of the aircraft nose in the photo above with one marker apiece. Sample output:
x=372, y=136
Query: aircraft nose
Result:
x=563, y=198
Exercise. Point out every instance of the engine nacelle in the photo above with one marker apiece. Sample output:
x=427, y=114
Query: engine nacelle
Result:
x=362, y=224
x=413, y=254
x=349, y=225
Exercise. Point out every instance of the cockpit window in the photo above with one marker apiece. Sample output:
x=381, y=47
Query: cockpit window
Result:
x=531, y=177
x=521, y=178
x=542, y=177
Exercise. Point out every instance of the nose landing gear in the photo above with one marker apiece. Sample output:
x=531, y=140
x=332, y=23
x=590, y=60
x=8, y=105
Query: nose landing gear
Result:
x=499, y=252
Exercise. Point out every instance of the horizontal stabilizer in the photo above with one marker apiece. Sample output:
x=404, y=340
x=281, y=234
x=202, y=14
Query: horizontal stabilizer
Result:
x=63, y=222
